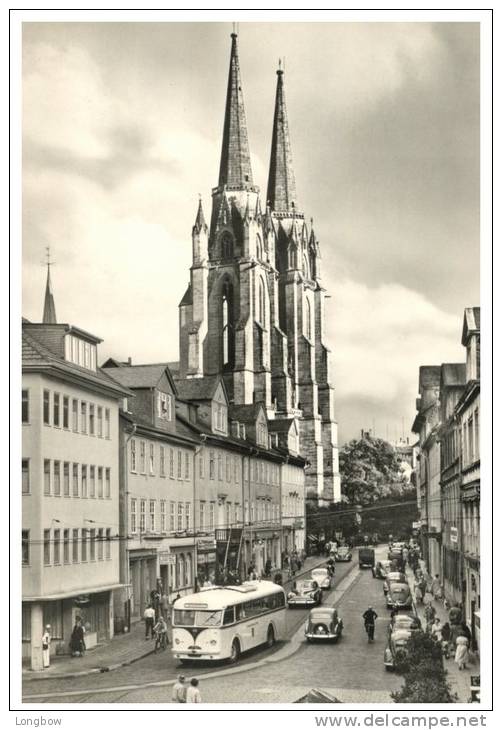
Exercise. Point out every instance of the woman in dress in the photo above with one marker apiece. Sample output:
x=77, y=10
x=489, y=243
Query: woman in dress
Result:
x=462, y=652
x=46, y=646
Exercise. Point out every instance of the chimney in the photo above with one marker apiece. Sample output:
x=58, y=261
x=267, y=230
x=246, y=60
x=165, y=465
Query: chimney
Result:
x=129, y=361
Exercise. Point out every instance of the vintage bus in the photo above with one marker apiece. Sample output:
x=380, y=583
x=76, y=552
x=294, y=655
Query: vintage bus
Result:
x=222, y=622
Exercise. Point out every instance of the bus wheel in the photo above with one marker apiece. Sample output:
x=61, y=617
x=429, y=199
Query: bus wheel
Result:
x=270, y=637
x=236, y=651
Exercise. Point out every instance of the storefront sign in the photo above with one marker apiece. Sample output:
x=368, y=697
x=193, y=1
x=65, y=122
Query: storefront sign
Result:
x=453, y=534
x=206, y=558
x=206, y=546
x=166, y=558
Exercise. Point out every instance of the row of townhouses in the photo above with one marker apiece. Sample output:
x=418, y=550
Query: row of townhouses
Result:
x=448, y=473
x=135, y=473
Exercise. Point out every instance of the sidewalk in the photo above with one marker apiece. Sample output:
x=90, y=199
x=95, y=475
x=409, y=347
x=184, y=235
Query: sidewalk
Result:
x=125, y=649
x=460, y=680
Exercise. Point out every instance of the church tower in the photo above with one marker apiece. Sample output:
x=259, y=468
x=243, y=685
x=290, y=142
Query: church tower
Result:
x=254, y=307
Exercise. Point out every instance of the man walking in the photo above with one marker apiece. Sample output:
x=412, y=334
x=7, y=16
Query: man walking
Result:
x=369, y=617
x=180, y=690
x=149, y=617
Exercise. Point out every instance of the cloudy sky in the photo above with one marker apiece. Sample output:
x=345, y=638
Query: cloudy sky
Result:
x=122, y=129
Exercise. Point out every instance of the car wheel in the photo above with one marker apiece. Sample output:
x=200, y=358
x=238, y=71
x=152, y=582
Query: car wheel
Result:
x=235, y=651
x=387, y=668
x=270, y=636
x=309, y=640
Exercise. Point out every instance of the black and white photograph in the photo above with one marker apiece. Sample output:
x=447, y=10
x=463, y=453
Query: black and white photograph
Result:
x=250, y=253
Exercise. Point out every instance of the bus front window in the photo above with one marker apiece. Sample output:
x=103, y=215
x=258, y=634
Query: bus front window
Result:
x=184, y=618
x=208, y=618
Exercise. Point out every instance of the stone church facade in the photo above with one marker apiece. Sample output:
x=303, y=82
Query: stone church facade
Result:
x=254, y=308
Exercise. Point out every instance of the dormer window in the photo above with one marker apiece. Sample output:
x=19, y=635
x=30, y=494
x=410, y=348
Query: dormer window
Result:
x=164, y=402
x=80, y=352
x=220, y=418
x=242, y=431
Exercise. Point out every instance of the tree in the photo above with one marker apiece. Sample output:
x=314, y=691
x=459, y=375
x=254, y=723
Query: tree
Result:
x=370, y=470
x=425, y=678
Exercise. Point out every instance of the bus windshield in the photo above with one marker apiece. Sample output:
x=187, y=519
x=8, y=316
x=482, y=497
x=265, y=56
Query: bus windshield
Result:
x=197, y=618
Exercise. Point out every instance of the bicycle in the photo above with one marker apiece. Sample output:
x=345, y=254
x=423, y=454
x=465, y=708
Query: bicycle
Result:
x=160, y=641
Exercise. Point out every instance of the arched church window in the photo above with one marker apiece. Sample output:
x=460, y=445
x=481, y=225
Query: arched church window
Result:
x=292, y=257
x=259, y=248
x=226, y=324
x=308, y=320
x=227, y=245
x=261, y=302
x=306, y=266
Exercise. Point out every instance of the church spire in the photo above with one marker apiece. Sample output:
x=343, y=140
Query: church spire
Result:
x=49, y=306
x=281, y=191
x=235, y=165
x=200, y=221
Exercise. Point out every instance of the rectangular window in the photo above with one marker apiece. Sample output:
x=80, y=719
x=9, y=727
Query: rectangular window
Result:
x=142, y=457
x=227, y=468
x=66, y=479
x=57, y=478
x=25, y=406
x=246, y=511
x=163, y=515
x=162, y=461
x=25, y=547
x=92, y=423
x=201, y=466
x=100, y=482
x=74, y=546
x=25, y=471
x=202, y=516
x=152, y=515
x=180, y=465
x=237, y=517
x=92, y=479
x=188, y=515
x=56, y=405
x=100, y=543
x=75, y=480
x=92, y=544
x=187, y=465
x=107, y=423
x=108, y=492
x=83, y=417
x=211, y=516
x=133, y=455
x=180, y=517
x=74, y=415
x=151, y=459
x=66, y=546
x=227, y=514
x=47, y=477
x=171, y=463
x=66, y=412
x=108, y=544
x=84, y=544
x=57, y=547
x=171, y=517
x=84, y=480
x=236, y=470
x=47, y=547
x=142, y=515
x=211, y=464
x=164, y=406
x=134, y=527
x=220, y=467
x=100, y=422
x=47, y=408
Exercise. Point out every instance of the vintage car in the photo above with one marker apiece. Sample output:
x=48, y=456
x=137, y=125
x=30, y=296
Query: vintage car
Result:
x=393, y=577
x=323, y=577
x=323, y=623
x=398, y=642
x=399, y=596
x=344, y=553
x=395, y=554
x=366, y=557
x=405, y=621
x=398, y=546
x=381, y=569
x=305, y=593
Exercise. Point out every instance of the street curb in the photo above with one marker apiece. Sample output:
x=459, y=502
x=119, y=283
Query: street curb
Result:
x=28, y=677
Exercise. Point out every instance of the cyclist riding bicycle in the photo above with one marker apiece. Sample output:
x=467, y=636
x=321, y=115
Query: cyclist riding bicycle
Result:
x=369, y=617
x=160, y=631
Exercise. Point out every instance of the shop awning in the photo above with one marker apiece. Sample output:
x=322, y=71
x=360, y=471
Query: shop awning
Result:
x=73, y=594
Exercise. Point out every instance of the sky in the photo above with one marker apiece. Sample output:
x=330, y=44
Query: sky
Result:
x=122, y=127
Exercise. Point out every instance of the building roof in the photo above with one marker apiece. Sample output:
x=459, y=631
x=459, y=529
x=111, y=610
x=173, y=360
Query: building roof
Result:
x=198, y=388
x=187, y=296
x=140, y=376
x=280, y=425
x=453, y=373
x=245, y=413
x=472, y=323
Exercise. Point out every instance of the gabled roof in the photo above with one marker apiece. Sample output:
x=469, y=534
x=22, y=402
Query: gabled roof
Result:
x=472, y=323
x=245, y=413
x=199, y=388
x=280, y=425
x=141, y=376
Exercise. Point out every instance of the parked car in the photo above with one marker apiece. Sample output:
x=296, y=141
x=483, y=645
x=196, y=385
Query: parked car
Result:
x=344, y=553
x=393, y=577
x=405, y=621
x=399, y=596
x=323, y=577
x=366, y=557
x=323, y=623
x=398, y=642
x=381, y=569
x=305, y=593
x=395, y=554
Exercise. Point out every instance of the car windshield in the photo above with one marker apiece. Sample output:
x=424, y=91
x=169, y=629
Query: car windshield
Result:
x=399, y=588
x=305, y=585
x=318, y=618
x=395, y=576
x=197, y=618
x=320, y=573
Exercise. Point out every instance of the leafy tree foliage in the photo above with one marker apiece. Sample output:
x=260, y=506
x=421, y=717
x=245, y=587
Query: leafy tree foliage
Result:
x=425, y=678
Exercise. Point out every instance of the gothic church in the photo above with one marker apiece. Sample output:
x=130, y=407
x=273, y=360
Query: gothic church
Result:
x=254, y=308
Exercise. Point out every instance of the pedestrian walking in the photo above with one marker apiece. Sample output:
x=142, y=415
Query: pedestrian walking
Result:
x=462, y=652
x=77, y=643
x=193, y=692
x=446, y=639
x=430, y=615
x=418, y=593
x=180, y=690
x=437, y=630
x=436, y=588
x=369, y=617
x=149, y=617
x=46, y=646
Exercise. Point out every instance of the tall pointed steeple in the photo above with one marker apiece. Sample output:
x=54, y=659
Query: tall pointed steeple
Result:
x=281, y=190
x=49, y=306
x=235, y=165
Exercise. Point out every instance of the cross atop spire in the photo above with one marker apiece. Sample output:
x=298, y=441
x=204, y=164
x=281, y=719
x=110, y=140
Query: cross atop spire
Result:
x=281, y=191
x=49, y=316
x=235, y=165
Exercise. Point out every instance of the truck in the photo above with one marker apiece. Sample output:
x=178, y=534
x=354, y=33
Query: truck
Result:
x=366, y=557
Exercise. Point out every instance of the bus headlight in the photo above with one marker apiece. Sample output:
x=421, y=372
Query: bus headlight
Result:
x=176, y=641
x=213, y=642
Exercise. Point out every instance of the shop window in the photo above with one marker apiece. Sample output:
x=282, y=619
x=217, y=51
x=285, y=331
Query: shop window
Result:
x=53, y=615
